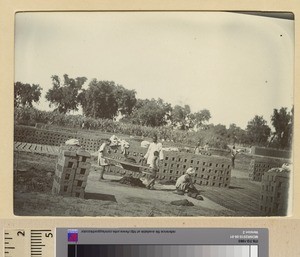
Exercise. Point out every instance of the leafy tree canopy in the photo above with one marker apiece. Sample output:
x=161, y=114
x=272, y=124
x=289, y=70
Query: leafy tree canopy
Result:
x=65, y=95
x=257, y=130
x=25, y=94
x=282, y=121
x=150, y=113
x=99, y=100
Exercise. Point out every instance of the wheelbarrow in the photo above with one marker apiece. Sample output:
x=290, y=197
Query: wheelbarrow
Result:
x=126, y=165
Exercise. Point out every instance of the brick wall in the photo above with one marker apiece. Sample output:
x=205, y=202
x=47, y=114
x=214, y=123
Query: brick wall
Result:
x=257, y=168
x=48, y=137
x=71, y=173
x=210, y=170
x=274, y=192
x=270, y=152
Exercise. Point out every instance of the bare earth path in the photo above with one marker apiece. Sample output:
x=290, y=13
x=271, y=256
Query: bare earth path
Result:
x=241, y=199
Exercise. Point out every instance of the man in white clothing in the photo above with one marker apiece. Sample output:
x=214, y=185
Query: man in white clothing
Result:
x=154, y=146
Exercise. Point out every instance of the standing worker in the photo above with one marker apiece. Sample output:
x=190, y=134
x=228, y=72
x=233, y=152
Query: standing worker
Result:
x=102, y=162
x=233, y=154
x=154, y=169
x=154, y=148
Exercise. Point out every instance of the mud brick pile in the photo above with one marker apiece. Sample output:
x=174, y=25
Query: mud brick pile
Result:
x=257, y=168
x=56, y=138
x=274, y=192
x=72, y=170
x=271, y=152
x=210, y=170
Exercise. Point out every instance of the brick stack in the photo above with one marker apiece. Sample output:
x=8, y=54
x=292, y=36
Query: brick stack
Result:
x=51, y=137
x=274, y=192
x=72, y=170
x=210, y=170
x=258, y=168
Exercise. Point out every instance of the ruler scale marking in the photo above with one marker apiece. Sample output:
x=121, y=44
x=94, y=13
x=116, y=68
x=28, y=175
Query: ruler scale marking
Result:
x=27, y=242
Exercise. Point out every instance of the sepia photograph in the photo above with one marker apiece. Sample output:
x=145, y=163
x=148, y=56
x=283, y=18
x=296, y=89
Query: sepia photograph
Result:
x=152, y=114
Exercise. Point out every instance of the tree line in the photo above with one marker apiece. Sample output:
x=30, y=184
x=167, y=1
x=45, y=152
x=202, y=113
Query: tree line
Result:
x=108, y=100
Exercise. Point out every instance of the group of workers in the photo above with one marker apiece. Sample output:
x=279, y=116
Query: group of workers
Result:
x=153, y=157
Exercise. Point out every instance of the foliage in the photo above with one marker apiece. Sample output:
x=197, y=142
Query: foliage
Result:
x=99, y=100
x=184, y=119
x=237, y=135
x=180, y=117
x=152, y=113
x=126, y=100
x=25, y=94
x=258, y=131
x=199, y=118
x=65, y=96
x=104, y=99
x=31, y=116
x=282, y=121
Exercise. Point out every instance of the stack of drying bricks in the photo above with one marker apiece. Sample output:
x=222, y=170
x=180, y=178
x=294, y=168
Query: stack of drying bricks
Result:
x=274, y=192
x=210, y=170
x=258, y=168
x=72, y=170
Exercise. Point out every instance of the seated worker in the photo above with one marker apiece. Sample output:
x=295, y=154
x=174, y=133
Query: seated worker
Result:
x=184, y=184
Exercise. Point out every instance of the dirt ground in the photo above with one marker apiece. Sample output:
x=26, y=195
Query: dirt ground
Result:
x=33, y=182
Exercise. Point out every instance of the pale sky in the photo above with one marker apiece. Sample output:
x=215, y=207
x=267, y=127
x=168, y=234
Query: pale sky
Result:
x=235, y=65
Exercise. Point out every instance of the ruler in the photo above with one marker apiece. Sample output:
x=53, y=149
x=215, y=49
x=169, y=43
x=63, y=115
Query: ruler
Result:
x=28, y=243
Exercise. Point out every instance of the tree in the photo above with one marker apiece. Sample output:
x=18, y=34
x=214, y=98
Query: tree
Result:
x=25, y=94
x=99, y=100
x=258, y=131
x=65, y=96
x=126, y=99
x=282, y=121
x=150, y=113
x=199, y=118
x=180, y=116
x=236, y=134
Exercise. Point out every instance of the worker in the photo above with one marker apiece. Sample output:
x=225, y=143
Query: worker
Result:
x=233, y=154
x=154, y=146
x=197, y=148
x=184, y=184
x=102, y=162
x=154, y=169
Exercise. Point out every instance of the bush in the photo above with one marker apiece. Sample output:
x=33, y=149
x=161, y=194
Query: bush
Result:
x=31, y=116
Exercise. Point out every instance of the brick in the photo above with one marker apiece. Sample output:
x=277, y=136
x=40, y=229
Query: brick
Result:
x=84, y=159
x=85, y=165
x=83, y=171
x=83, y=153
x=81, y=177
x=69, y=153
x=78, y=194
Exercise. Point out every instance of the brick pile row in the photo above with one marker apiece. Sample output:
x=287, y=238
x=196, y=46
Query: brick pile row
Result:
x=210, y=170
x=257, y=168
x=56, y=138
x=72, y=170
x=274, y=192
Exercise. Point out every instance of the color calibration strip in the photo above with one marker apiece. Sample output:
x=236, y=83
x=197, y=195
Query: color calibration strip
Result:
x=163, y=250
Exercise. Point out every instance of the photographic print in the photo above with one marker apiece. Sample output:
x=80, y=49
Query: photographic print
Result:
x=150, y=114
